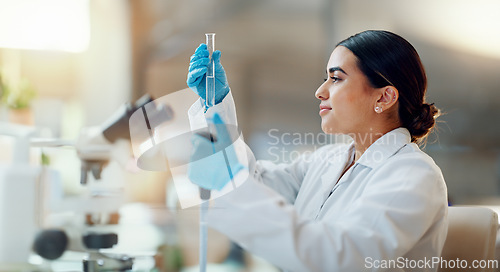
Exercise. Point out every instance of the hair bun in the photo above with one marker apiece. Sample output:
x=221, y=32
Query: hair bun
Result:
x=424, y=120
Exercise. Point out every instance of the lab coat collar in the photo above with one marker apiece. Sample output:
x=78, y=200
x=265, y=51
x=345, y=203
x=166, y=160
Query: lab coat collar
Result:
x=384, y=147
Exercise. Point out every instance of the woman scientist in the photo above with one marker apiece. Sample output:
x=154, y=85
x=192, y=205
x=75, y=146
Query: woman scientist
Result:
x=377, y=204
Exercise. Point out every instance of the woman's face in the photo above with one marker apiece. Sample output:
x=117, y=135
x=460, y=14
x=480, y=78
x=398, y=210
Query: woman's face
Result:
x=347, y=98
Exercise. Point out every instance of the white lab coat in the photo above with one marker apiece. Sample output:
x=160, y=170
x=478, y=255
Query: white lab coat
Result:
x=388, y=212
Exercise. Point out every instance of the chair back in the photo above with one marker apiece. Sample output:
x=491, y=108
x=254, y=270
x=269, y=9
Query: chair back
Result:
x=472, y=233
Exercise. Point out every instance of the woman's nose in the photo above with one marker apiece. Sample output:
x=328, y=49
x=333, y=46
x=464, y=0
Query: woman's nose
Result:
x=322, y=92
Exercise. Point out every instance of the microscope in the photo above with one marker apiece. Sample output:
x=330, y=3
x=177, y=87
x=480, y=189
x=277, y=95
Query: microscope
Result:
x=95, y=148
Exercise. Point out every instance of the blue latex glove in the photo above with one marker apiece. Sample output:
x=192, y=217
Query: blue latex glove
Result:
x=208, y=167
x=198, y=66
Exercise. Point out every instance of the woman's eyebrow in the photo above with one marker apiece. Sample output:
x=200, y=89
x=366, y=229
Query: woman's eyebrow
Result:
x=336, y=68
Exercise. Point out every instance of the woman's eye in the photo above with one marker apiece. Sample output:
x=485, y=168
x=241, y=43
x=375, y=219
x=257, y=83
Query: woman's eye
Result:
x=335, y=79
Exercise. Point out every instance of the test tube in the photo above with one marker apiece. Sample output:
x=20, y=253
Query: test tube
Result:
x=210, y=83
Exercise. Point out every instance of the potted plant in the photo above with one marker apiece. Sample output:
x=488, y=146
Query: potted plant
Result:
x=17, y=98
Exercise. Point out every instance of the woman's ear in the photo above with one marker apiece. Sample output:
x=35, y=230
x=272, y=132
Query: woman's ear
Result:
x=389, y=95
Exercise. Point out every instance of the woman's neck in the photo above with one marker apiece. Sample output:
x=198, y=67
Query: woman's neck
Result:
x=363, y=140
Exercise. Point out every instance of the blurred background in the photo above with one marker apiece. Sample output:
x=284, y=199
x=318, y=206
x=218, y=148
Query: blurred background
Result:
x=77, y=61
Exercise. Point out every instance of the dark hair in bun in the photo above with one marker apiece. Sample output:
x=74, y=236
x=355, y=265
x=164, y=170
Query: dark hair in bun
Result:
x=388, y=59
x=422, y=123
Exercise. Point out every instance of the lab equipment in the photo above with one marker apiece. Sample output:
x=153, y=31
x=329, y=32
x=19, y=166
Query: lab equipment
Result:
x=96, y=261
x=94, y=144
x=18, y=197
x=52, y=243
x=92, y=224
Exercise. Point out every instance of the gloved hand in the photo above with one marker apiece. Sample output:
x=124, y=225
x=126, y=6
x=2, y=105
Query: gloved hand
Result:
x=198, y=66
x=208, y=167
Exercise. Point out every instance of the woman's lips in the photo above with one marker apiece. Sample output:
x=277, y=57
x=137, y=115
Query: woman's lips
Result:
x=324, y=109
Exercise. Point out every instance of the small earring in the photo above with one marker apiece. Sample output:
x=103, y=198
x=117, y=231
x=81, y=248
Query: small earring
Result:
x=378, y=109
x=394, y=98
